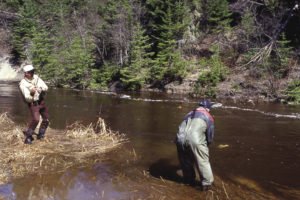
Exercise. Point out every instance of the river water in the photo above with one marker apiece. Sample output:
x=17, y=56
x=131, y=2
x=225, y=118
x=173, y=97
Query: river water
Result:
x=257, y=146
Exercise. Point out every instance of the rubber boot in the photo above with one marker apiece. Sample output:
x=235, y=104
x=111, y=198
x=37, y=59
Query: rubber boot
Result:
x=206, y=188
x=42, y=130
x=41, y=134
x=29, y=138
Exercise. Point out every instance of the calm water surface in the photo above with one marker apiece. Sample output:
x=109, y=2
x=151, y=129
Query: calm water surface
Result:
x=263, y=142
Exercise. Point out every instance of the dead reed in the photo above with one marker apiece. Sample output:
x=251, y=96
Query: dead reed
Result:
x=77, y=145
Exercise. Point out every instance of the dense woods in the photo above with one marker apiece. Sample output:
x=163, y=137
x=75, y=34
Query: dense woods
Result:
x=151, y=43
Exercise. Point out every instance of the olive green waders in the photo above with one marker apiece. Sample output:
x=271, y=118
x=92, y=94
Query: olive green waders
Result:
x=193, y=150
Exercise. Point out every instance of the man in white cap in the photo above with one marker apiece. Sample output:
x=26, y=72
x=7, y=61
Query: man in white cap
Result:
x=195, y=134
x=33, y=89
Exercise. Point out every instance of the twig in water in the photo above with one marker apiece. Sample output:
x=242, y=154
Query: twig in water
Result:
x=41, y=161
x=162, y=179
x=212, y=194
x=31, y=193
x=134, y=153
x=225, y=190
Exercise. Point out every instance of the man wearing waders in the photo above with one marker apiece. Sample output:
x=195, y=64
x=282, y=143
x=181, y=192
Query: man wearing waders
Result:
x=33, y=89
x=195, y=134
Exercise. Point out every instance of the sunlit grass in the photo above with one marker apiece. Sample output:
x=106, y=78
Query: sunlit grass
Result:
x=78, y=144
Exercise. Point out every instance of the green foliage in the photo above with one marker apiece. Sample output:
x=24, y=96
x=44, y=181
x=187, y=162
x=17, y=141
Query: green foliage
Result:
x=54, y=71
x=56, y=14
x=170, y=16
x=22, y=28
x=103, y=76
x=71, y=42
x=136, y=74
x=272, y=4
x=168, y=65
x=209, y=78
x=293, y=91
x=77, y=61
x=15, y=4
x=40, y=50
x=277, y=64
x=218, y=15
x=248, y=24
x=169, y=62
x=283, y=51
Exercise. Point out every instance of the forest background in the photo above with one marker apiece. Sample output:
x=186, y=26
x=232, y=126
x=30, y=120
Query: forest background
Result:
x=235, y=48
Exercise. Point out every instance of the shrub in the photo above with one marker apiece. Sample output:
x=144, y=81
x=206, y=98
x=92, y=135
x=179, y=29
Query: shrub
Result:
x=208, y=79
x=293, y=92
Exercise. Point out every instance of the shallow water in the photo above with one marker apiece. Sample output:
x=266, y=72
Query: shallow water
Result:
x=256, y=145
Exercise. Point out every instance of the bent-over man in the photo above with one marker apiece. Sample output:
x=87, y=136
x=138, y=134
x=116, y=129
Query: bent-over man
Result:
x=195, y=134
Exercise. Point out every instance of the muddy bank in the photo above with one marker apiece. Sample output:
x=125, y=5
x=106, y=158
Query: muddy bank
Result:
x=239, y=86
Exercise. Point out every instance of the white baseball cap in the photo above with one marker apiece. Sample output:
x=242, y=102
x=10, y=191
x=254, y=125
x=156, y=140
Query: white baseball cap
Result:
x=28, y=68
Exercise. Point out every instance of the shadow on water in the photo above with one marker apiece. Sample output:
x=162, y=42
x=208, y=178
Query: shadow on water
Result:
x=163, y=169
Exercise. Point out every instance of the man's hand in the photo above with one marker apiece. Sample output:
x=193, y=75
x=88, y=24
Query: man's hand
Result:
x=39, y=90
x=32, y=91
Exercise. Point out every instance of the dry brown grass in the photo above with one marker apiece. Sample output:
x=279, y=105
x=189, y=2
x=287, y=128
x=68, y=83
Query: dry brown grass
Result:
x=58, y=151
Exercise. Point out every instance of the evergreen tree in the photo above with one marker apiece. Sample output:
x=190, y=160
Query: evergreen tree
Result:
x=217, y=15
x=278, y=63
x=76, y=62
x=135, y=75
x=161, y=12
x=40, y=50
x=22, y=29
x=209, y=78
x=168, y=62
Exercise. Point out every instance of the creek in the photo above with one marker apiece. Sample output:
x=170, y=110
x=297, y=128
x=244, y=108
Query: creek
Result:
x=257, y=145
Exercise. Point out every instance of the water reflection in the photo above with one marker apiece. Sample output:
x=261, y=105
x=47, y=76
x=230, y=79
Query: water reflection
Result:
x=91, y=183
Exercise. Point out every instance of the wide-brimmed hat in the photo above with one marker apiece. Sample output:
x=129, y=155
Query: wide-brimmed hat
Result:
x=28, y=68
x=205, y=103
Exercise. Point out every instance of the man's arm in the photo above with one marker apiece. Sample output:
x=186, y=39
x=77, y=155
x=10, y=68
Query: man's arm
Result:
x=26, y=92
x=41, y=85
x=210, y=132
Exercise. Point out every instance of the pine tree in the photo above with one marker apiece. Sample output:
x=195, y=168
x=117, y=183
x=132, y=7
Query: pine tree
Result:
x=76, y=62
x=217, y=15
x=279, y=60
x=41, y=48
x=168, y=62
x=135, y=75
x=22, y=29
